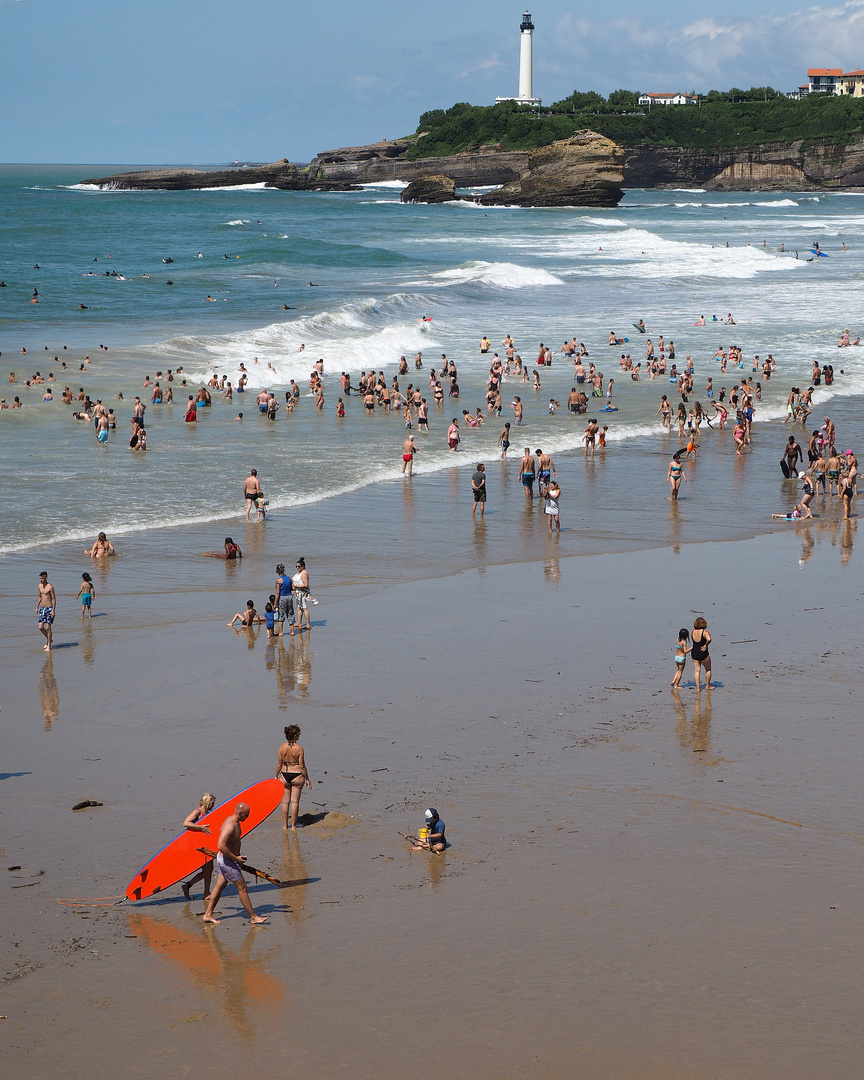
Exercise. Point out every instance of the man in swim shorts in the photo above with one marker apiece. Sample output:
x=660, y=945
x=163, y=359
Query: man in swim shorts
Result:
x=230, y=864
x=251, y=491
x=545, y=471
x=527, y=472
x=409, y=449
x=46, y=609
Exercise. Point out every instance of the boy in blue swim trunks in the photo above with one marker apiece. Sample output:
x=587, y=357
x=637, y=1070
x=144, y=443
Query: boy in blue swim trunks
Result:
x=85, y=595
x=46, y=609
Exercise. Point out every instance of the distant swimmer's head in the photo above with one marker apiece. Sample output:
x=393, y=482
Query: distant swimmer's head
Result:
x=207, y=802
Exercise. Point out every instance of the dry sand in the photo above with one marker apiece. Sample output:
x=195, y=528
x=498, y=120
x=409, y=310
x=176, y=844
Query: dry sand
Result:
x=639, y=885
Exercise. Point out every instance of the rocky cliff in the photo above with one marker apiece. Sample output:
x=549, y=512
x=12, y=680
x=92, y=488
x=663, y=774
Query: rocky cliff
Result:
x=586, y=170
x=385, y=161
x=815, y=165
x=770, y=167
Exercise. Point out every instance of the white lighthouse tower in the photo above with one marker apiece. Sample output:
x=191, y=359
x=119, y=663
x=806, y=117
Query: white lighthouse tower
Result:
x=526, y=64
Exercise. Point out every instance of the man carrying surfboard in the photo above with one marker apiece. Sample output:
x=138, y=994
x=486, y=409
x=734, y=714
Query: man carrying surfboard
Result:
x=229, y=862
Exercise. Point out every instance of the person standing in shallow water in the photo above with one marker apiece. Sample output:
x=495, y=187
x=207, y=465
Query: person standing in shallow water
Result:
x=300, y=587
x=291, y=770
x=46, y=609
x=675, y=475
x=478, y=486
x=700, y=642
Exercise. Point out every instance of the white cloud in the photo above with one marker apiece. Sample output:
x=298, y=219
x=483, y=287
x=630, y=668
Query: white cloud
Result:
x=481, y=65
x=708, y=53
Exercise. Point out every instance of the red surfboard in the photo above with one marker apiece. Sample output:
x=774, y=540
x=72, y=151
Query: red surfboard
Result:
x=181, y=857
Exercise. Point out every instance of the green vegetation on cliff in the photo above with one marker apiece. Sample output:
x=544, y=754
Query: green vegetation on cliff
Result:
x=734, y=119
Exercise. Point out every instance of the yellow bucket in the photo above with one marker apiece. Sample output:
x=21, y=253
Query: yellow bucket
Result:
x=422, y=834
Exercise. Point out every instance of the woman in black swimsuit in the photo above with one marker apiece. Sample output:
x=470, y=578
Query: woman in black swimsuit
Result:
x=699, y=653
x=291, y=770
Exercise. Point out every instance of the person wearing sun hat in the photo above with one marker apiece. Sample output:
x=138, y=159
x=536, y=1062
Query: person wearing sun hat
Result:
x=435, y=840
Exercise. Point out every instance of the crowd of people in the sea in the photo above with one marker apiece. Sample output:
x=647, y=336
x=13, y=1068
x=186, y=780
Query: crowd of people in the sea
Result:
x=591, y=390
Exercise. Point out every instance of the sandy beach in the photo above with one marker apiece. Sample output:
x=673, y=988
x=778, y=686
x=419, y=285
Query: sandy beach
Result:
x=639, y=884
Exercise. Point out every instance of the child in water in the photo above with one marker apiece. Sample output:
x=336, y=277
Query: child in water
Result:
x=205, y=805
x=682, y=647
x=86, y=594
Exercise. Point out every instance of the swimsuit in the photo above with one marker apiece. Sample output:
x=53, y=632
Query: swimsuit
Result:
x=229, y=869
x=528, y=479
x=86, y=599
x=699, y=651
x=290, y=777
x=46, y=615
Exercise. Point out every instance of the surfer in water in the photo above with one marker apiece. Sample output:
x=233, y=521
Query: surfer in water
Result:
x=205, y=805
x=230, y=864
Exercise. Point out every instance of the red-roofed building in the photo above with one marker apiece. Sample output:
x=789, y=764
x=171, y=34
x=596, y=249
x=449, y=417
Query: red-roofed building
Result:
x=851, y=83
x=823, y=80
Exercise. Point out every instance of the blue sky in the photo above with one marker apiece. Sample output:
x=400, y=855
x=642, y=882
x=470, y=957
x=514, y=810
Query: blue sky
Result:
x=214, y=80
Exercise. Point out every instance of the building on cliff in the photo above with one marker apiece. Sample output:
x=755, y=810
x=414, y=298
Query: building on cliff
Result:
x=526, y=65
x=823, y=80
x=669, y=99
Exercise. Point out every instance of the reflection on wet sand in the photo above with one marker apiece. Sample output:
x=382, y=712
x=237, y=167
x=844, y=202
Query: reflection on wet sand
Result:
x=695, y=735
x=49, y=695
x=840, y=531
x=88, y=643
x=807, y=544
x=292, y=870
x=231, y=976
x=847, y=536
x=552, y=568
x=292, y=667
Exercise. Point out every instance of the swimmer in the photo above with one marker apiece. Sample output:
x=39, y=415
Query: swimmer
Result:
x=232, y=551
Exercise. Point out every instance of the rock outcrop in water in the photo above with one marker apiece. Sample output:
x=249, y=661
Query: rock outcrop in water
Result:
x=586, y=170
x=279, y=174
x=430, y=189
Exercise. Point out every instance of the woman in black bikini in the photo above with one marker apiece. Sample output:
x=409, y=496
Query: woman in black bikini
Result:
x=699, y=653
x=291, y=770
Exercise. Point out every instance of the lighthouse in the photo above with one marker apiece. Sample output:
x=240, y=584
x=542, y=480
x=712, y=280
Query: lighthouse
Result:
x=526, y=64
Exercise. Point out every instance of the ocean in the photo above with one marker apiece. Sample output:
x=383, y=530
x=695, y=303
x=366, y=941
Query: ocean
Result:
x=378, y=268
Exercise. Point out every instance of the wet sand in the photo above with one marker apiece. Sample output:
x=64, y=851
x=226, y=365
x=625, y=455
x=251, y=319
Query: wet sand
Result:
x=638, y=886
